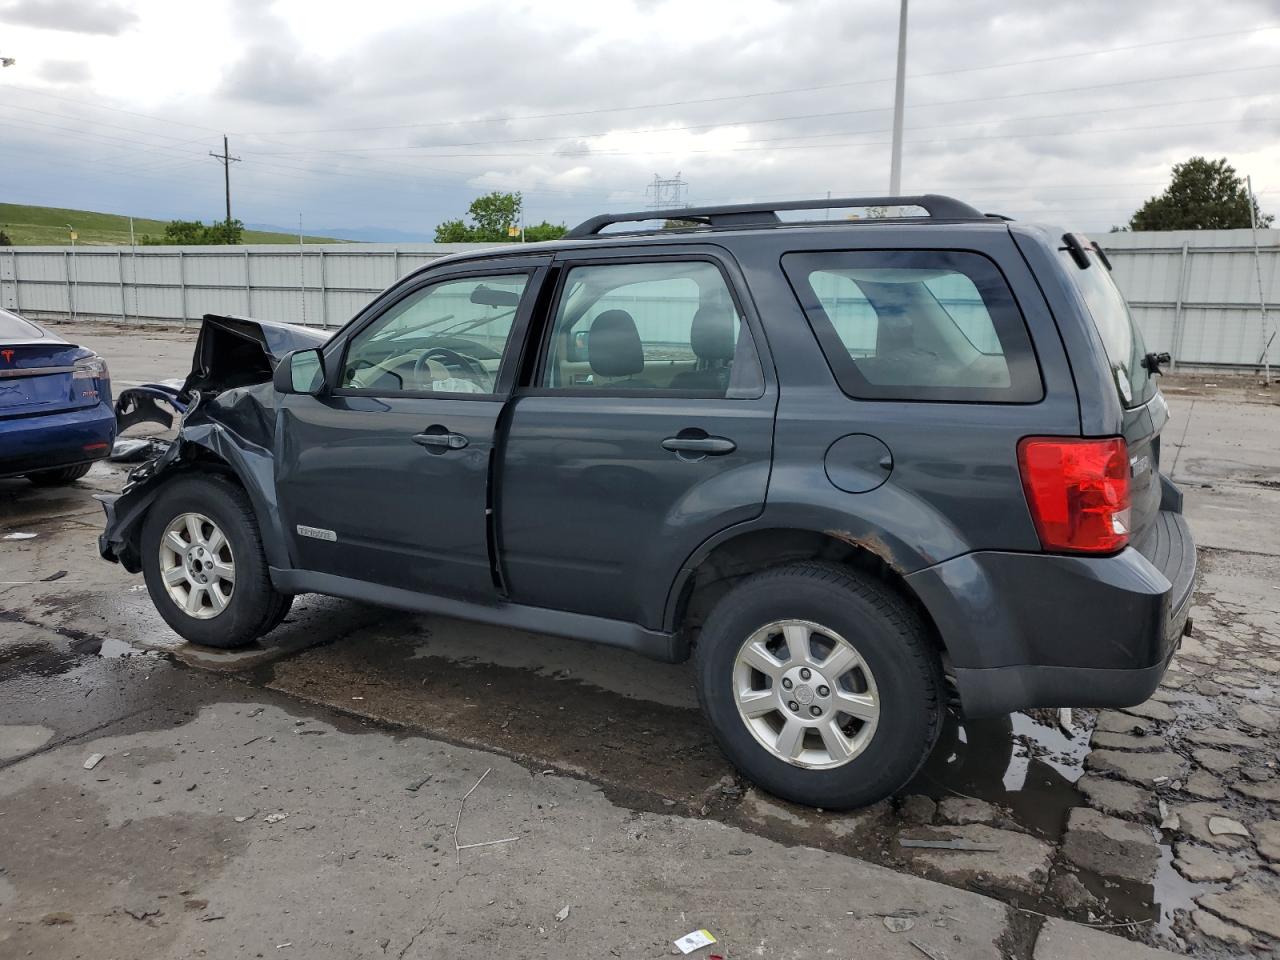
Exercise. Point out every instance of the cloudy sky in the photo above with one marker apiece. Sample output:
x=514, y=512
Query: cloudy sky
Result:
x=393, y=115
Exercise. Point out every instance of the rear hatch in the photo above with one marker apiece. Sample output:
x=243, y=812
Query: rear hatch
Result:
x=36, y=370
x=1145, y=411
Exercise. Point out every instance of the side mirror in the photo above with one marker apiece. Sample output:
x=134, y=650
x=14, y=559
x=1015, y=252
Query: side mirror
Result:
x=300, y=372
x=577, y=352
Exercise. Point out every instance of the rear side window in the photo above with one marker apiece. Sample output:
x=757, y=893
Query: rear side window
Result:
x=1121, y=337
x=917, y=325
x=13, y=327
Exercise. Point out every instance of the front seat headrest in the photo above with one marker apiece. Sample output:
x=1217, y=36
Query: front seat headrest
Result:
x=613, y=345
x=711, y=332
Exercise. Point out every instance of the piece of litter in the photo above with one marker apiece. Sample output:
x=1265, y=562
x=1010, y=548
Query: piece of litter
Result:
x=1159, y=780
x=416, y=786
x=357, y=698
x=898, y=924
x=563, y=914
x=274, y=817
x=1223, y=826
x=281, y=946
x=18, y=536
x=93, y=761
x=694, y=941
x=459, y=847
x=969, y=845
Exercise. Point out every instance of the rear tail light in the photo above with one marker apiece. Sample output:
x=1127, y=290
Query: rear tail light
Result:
x=90, y=368
x=1078, y=492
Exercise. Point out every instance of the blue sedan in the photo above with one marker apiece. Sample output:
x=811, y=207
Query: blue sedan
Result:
x=56, y=416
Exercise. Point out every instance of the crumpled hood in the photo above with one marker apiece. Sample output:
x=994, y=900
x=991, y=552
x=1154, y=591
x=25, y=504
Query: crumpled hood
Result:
x=236, y=351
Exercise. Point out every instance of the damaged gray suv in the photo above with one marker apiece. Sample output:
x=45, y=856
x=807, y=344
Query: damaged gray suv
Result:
x=858, y=469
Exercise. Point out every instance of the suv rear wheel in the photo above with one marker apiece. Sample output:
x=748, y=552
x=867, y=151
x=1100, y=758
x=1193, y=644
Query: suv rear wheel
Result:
x=204, y=566
x=821, y=684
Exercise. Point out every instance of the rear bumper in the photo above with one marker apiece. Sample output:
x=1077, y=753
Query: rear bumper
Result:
x=28, y=444
x=1043, y=630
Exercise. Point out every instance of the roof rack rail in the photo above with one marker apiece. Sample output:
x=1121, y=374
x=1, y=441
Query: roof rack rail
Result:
x=764, y=214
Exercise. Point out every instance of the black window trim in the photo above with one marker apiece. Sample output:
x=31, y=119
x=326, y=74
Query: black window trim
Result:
x=512, y=351
x=855, y=386
x=544, y=326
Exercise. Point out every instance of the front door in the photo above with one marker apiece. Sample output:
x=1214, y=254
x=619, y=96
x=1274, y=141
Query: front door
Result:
x=385, y=478
x=646, y=429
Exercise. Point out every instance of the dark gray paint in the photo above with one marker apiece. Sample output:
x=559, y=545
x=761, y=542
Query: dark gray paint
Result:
x=595, y=529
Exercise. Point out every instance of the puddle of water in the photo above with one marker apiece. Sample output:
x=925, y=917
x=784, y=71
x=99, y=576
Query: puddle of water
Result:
x=1016, y=762
x=107, y=647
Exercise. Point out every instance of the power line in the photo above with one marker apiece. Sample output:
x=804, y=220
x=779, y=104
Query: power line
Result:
x=773, y=93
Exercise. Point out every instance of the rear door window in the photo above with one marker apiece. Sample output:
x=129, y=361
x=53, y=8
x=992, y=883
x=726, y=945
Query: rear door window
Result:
x=1120, y=336
x=917, y=325
x=13, y=327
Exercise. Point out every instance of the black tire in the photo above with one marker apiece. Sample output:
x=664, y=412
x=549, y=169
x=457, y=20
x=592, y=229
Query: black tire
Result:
x=55, y=478
x=890, y=637
x=254, y=606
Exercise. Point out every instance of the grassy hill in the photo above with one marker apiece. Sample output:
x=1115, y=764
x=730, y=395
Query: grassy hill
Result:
x=47, y=226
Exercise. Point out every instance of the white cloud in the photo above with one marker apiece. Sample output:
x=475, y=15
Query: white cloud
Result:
x=397, y=113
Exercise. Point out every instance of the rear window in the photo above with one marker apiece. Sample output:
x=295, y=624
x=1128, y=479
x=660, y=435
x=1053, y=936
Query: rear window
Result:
x=13, y=327
x=1121, y=337
x=917, y=325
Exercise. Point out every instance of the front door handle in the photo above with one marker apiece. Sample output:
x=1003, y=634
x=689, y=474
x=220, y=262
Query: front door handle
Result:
x=703, y=446
x=438, y=439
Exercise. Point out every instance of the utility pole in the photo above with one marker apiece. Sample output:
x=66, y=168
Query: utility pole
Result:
x=1265, y=359
x=225, y=159
x=895, y=157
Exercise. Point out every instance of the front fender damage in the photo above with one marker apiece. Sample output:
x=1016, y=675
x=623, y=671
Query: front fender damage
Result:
x=228, y=429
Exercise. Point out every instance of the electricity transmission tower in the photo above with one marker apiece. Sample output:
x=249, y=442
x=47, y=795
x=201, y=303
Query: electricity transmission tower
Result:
x=226, y=160
x=665, y=194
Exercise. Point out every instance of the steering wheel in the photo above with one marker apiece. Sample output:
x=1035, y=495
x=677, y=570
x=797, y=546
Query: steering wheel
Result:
x=473, y=367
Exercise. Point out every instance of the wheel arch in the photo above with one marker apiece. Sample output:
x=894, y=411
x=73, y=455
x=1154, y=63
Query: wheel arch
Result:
x=722, y=562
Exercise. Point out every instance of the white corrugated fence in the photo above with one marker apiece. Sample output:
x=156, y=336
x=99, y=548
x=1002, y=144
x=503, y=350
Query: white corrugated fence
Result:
x=1193, y=293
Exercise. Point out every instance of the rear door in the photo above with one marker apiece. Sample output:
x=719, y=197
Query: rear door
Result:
x=386, y=477
x=646, y=426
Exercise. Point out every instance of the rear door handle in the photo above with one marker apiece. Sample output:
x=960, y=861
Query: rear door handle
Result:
x=706, y=446
x=441, y=441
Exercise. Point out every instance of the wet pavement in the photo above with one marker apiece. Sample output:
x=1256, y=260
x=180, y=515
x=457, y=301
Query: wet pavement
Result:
x=1158, y=824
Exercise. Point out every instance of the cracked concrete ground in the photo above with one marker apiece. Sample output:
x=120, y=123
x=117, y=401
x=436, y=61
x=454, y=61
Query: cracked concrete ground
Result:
x=626, y=812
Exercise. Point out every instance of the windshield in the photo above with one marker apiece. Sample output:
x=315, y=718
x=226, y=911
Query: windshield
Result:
x=1120, y=335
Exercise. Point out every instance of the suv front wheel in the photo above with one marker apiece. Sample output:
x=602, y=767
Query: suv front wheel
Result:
x=204, y=566
x=821, y=684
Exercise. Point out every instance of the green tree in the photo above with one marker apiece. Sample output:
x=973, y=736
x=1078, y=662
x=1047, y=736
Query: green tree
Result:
x=544, y=231
x=1203, y=195
x=194, y=233
x=492, y=217
x=5, y=241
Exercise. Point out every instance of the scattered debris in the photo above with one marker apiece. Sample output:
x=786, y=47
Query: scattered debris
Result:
x=968, y=845
x=1220, y=826
x=694, y=941
x=274, y=817
x=898, y=924
x=457, y=847
x=1168, y=821
x=19, y=536
x=1064, y=721
x=94, y=760
x=247, y=816
x=212, y=917
x=57, y=919
x=928, y=951
x=287, y=943
x=415, y=787
x=252, y=740
x=562, y=914
x=141, y=913
x=56, y=575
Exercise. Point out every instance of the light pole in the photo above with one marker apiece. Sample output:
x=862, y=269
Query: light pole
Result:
x=895, y=157
x=71, y=287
